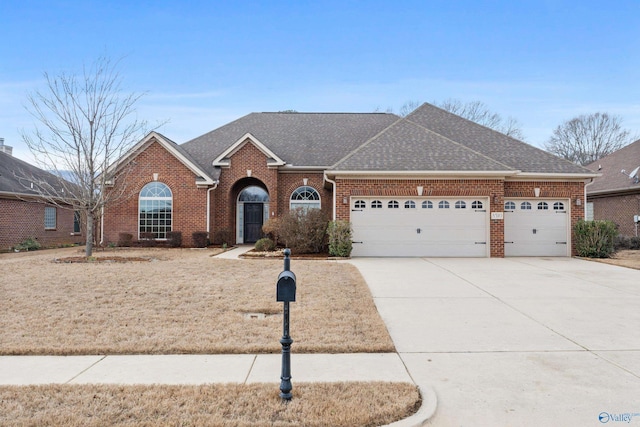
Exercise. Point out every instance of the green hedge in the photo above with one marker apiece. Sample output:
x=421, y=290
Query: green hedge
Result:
x=594, y=239
x=340, y=243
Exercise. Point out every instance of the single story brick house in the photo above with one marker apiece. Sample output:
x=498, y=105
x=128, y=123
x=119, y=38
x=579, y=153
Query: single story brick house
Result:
x=24, y=214
x=429, y=184
x=615, y=196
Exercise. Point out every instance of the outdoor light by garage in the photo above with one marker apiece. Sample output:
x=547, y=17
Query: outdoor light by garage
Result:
x=286, y=293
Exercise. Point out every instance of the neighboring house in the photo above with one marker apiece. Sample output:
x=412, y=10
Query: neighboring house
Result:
x=616, y=194
x=24, y=213
x=429, y=184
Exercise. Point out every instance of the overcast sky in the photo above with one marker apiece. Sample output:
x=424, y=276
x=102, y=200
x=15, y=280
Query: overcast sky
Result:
x=205, y=63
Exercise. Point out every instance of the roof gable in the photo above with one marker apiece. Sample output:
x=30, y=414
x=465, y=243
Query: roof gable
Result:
x=224, y=158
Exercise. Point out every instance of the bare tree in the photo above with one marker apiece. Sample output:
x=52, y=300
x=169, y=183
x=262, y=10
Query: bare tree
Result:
x=85, y=124
x=478, y=112
x=408, y=107
x=587, y=138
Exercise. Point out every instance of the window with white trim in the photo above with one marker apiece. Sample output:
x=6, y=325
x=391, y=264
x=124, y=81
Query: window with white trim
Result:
x=360, y=204
x=305, y=198
x=509, y=206
x=476, y=204
x=443, y=204
x=393, y=204
x=50, y=215
x=155, y=210
x=76, y=222
x=589, y=213
x=427, y=204
x=558, y=206
x=409, y=204
x=376, y=204
x=543, y=206
x=461, y=205
x=525, y=206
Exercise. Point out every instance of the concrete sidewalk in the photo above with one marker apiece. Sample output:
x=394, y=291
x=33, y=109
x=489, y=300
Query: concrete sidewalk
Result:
x=199, y=369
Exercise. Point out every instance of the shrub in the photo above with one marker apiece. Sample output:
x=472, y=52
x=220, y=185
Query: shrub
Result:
x=125, y=239
x=174, y=239
x=626, y=242
x=147, y=239
x=265, y=245
x=29, y=244
x=303, y=231
x=340, y=243
x=594, y=239
x=223, y=237
x=200, y=239
x=271, y=228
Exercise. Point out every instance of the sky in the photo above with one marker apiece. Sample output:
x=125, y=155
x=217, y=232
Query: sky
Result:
x=202, y=64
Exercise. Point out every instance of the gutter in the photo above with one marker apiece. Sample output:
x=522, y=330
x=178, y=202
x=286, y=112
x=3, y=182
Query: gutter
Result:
x=334, y=194
x=209, y=205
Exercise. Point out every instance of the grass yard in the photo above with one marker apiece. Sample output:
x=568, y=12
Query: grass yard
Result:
x=180, y=301
x=256, y=405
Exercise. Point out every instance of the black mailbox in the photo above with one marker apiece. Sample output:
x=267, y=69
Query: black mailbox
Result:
x=286, y=287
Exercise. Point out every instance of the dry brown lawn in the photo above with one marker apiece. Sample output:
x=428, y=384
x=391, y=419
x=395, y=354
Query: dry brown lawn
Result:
x=181, y=301
x=626, y=258
x=334, y=404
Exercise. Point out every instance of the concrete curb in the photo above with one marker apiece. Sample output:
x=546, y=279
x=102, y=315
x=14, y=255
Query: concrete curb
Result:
x=426, y=411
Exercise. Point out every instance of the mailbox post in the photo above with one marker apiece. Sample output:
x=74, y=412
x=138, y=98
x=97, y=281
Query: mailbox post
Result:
x=286, y=292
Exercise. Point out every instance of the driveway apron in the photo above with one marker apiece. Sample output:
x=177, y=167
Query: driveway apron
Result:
x=515, y=341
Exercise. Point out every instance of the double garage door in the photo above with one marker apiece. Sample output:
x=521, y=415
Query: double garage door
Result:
x=400, y=227
x=456, y=227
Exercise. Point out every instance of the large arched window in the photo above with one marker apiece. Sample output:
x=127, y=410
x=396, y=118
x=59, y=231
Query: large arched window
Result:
x=155, y=210
x=305, y=197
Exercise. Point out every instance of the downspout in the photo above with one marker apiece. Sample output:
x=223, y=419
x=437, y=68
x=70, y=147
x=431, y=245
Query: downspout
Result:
x=101, y=225
x=334, y=194
x=209, y=205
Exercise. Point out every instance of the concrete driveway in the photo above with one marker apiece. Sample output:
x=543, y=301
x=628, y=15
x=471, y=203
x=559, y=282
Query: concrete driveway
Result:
x=517, y=341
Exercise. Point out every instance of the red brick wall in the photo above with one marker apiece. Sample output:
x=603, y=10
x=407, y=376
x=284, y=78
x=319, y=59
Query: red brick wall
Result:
x=189, y=202
x=20, y=220
x=619, y=209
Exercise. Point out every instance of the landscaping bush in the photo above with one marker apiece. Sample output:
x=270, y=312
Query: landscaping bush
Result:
x=265, y=245
x=304, y=231
x=125, y=239
x=223, y=237
x=594, y=239
x=626, y=242
x=340, y=243
x=174, y=239
x=270, y=229
x=29, y=244
x=147, y=239
x=200, y=239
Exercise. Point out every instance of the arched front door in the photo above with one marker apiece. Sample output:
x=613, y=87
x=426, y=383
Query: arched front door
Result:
x=252, y=207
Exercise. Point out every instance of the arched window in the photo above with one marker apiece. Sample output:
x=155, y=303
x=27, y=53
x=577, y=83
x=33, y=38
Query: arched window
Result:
x=360, y=204
x=427, y=204
x=509, y=206
x=558, y=206
x=461, y=205
x=525, y=206
x=443, y=205
x=155, y=210
x=376, y=204
x=543, y=206
x=393, y=204
x=476, y=204
x=305, y=198
x=409, y=204
x=254, y=194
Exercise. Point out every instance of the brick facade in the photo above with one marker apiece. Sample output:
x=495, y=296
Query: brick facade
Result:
x=619, y=209
x=248, y=166
x=20, y=219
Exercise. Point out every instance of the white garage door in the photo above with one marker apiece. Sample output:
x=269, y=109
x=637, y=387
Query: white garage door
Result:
x=536, y=227
x=419, y=227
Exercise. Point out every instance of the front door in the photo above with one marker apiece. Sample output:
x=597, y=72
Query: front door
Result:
x=253, y=217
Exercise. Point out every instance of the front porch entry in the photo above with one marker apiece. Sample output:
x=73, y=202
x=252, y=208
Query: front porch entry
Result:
x=252, y=211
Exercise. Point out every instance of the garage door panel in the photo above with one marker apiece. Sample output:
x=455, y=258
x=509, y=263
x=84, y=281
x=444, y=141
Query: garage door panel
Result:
x=419, y=231
x=536, y=232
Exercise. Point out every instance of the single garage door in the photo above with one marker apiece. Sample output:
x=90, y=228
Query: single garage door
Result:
x=536, y=227
x=419, y=227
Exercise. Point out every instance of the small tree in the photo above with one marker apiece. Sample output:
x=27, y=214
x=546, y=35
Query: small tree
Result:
x=303, y=231
x=587, y=138
x=340, y=243
x=86, y=125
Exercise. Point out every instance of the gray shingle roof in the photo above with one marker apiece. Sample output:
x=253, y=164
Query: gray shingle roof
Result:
x=406, y=146
x=509, y=151
x=15, y=176
x=611, y=166
x=300, y=139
